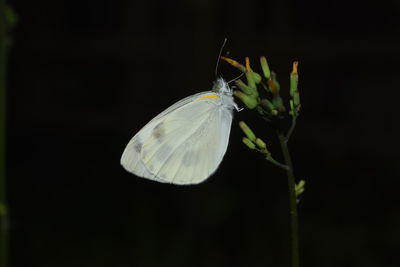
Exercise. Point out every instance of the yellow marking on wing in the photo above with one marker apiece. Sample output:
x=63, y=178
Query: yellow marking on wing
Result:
x=207, y=96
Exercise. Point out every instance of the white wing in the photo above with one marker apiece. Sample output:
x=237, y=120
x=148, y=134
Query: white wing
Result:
x=184, y=144
x=130, y=159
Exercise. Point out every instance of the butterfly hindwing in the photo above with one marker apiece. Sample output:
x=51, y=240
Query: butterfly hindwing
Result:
x=184, y=148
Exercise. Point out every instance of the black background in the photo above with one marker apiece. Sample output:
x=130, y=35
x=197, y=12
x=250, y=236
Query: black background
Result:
x=85, y=76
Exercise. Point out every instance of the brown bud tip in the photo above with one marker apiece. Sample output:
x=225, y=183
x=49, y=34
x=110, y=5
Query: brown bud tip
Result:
x=231, y=61
x=295, y=65
x=234, y=63
x=247, y=60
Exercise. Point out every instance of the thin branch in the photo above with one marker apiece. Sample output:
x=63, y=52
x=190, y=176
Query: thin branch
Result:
x=292, y=126
x=293, y=202
x=277, y=163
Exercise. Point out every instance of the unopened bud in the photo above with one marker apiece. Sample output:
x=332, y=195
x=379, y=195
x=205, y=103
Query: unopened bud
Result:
x=248, y=143
x=246, y=89
x=247, y=131
x=265, y=67
x=299, y=187
x=269, y=106
x=294, y=79
x=250, y=102
x=273, y=84
x=249, y=75
x=278, y=103
x=260, y=143
x=234, y=63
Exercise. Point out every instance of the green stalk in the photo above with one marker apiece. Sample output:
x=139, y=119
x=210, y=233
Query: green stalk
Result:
x=292, y=126
x=3, y=203
x=294, y=221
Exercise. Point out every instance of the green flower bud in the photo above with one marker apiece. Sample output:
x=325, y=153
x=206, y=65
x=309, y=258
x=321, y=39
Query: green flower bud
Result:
x=278, y=103
x=247, y=131
x=299, y=187
x=265, y=67
x=248, y=143
x=247, y=90
x=234, y=63
x=250, y=102
x=257, y=77
x=250, y=75
x=260, y=143
x=296, y=99
x=273, y=84
x=294, y=78
x=292, y=111
x=299, y=191
x=269, y=106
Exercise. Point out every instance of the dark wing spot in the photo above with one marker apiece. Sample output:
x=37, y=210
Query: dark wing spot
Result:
x=158, y=131
x=138, y=146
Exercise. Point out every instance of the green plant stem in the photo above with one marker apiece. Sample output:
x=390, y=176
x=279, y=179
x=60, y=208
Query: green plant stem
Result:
x=275, y=162
x=3, y=204
x=292, y=126
x=294, y=221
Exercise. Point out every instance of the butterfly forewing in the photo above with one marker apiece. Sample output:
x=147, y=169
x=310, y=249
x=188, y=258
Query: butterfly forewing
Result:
x=130, y=158
x=185, y=143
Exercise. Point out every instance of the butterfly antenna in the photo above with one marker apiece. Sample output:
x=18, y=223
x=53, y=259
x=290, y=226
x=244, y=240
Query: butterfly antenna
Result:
x=219, y=57
x=237, y=78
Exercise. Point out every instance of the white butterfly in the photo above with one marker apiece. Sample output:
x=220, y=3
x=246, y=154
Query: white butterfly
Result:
x=185, y=143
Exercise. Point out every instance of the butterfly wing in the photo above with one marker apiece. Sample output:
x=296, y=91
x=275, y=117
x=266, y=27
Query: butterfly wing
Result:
x=131, y=159
x=183, y=145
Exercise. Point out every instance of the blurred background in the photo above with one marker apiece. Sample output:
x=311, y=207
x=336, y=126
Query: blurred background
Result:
x=85, y=76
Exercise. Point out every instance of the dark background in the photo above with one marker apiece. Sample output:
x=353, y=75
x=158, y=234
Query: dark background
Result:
x=85, y=76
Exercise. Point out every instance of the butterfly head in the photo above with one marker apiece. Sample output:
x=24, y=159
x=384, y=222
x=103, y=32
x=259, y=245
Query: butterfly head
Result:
x=225, y=92
x=222, y=87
